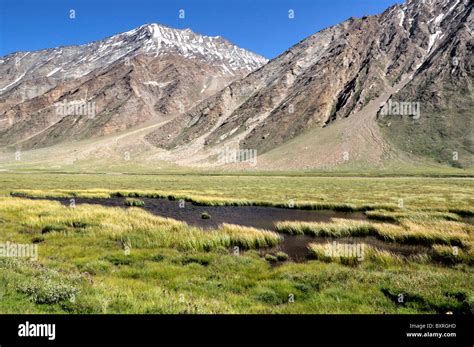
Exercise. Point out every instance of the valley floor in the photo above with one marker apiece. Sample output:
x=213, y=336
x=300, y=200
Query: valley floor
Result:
x=100, y=259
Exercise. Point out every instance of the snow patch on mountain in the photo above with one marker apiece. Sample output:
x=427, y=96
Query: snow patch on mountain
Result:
x=164, y=40
x=72, y=62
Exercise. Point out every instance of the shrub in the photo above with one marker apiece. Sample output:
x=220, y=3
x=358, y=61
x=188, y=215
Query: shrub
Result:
x=95, y=267
x=37, y=239
x=120, y=259
x=282, y=256
x=271, y=258
x=47, y=290
x=134, y=202
x=451, y=255
x=269, y=296
x=51, y=228
x=157, y=258
x=204, y=261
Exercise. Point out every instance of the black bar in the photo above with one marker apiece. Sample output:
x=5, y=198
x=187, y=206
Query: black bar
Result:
x=316, y=330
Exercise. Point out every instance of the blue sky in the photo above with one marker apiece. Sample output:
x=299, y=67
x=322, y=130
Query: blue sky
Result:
x=261, y=26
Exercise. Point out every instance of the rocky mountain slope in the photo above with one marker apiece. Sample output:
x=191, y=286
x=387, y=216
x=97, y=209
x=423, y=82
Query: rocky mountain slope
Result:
x=403, y=55
x=390, y=90
x=443, y=85
x=144, y=75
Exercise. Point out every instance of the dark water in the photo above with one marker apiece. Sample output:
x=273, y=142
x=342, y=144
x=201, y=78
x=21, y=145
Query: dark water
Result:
x=468, y=220
x=252, y=216
x=296, y=246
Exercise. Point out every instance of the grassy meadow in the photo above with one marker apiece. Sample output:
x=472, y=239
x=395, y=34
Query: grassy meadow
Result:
x=95, y=259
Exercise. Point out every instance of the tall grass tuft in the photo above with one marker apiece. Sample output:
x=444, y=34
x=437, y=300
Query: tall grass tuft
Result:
x=408, y=232
x=399, y=216
x=368, y=253
x=197, y=199
x=134, y=202
x=134, y=225
x=341, y=228
x=450, y=255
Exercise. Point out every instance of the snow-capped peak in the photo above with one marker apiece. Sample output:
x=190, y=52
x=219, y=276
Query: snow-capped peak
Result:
x=150, y=39
x=164, y=40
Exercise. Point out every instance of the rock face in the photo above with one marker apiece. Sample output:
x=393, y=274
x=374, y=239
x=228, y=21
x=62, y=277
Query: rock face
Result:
x=407, y=51
x=389, y=89
x=443, y=87
x=146, y=74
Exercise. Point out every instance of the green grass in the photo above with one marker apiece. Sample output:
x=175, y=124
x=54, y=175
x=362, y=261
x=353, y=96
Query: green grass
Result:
x=222, y=283
x=134, y=226
x=271, y=258
x=408, y=232
x=134, y=202
x=95, y=259
x=398, y=216
x=368, y=253
x=362, y=193
x=282, y=256
x=452, y=255
x=341, y=228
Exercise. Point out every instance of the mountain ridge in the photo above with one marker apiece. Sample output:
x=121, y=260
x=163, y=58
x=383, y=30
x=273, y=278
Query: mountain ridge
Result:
x=358, y=60
x=159, y=71
x=316, y=105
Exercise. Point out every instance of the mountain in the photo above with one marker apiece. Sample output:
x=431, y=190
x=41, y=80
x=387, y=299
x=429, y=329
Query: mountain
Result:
x=392, y=90
x=319, y=103
x=443, y=85
x=138, y=77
